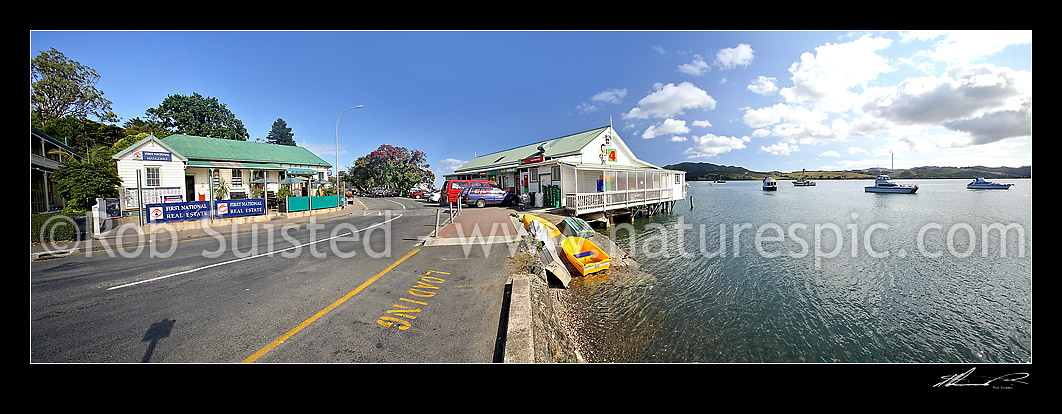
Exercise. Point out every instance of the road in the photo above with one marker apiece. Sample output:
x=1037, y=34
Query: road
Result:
x=358, y=288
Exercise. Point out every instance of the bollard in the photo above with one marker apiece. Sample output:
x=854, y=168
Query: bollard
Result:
x=691, y=202
x=437, y=212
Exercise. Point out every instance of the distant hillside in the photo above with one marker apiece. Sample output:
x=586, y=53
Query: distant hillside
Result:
x=703, y=171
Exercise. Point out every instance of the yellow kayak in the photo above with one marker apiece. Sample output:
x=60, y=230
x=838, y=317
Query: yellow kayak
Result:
x=584, y=255
x=552, y=229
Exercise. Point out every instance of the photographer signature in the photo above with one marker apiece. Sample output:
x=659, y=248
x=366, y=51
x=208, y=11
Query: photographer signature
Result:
x=958, y=380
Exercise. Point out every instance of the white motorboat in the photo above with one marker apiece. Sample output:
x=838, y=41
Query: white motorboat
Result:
x=884, y=184
x=979, y=183
x=803, y=181
x=769, y=184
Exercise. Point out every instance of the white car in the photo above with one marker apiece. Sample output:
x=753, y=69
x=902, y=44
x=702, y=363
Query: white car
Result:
x=434, y=196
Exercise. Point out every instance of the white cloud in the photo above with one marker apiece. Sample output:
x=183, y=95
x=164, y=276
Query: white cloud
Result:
x=733, y=57
x=678, y=139
x=856, y=150
x=763, y=86
x=968, y=46
x=711, y=145
x=830, y=153
x=702, y=124
x=668, y=127
x=827, y=76
x=670, y=100
x=987, y=102
x=609, y=96
x=781, y=148
x=696, y=68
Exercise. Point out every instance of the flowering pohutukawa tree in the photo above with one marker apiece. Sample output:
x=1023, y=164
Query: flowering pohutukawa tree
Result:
x=391, y=168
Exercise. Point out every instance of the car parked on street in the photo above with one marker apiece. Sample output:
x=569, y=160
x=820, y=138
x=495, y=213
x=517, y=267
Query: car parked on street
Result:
x=483, y=196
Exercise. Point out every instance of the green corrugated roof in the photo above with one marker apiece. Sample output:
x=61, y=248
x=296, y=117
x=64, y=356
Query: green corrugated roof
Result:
x=554, y=147
x=214, y=149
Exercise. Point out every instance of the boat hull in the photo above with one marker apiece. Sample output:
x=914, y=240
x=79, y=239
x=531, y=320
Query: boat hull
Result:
x=989, y=187
x=891, y=190
x=584, y=255
x=550, y=227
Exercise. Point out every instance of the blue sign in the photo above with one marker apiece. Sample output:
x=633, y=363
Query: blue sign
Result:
x=241, y=207
x=152, y=156
x=192, y=210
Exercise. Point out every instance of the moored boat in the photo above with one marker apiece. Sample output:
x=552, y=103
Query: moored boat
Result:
x=979, y=183
x=584, y=255
x=884, y=184
x=803, y=181
x=769, y=184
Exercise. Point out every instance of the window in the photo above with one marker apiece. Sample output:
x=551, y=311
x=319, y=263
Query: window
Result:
x=534, y=174
x=237, y=178
x=152, y=177
x=555, y=172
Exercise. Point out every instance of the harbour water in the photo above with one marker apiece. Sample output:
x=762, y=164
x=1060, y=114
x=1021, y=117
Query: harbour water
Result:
x=820, y=274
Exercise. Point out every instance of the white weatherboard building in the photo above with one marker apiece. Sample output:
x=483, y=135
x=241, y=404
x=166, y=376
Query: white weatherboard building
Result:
x=183, y=168
x=592, y=172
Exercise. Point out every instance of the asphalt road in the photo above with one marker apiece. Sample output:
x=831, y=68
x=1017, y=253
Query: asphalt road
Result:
x=358, y=288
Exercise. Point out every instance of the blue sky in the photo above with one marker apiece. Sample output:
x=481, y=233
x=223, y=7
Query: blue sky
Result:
x=764, y=100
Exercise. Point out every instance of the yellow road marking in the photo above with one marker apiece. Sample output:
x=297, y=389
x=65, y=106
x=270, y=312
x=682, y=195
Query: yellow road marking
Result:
x=325, y=311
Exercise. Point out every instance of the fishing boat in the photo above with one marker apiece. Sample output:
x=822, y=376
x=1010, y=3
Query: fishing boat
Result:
x=979, y=183
x=584, y=255
x=884, y=184
x=803, y=181
x=769, y=184
x=550, y=227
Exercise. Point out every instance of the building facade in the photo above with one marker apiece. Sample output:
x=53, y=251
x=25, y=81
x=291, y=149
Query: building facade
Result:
x=182, y=168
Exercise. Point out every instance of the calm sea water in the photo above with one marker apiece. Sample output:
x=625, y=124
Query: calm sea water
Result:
x=821, y=274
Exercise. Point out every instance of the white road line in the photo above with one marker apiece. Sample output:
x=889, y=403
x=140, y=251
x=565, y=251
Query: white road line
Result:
x=247, y=258
x=393, y=201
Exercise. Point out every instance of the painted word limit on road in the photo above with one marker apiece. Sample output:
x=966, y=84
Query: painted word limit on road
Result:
x=402, y=315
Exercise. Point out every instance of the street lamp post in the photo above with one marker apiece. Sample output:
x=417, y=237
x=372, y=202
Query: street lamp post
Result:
x=339, y=190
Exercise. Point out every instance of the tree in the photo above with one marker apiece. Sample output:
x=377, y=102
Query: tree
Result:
x=395, y=168
x=80, y=134
x=281, y=134
x=198, y=115
x=62, y=87
x=81, y=181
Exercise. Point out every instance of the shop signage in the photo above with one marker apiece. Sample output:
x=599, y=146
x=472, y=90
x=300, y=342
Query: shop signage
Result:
x=192, y=210
x=529, y=160
x=151, y=156
x=242, y=207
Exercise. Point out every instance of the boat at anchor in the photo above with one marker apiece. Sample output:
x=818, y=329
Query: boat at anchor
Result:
x=979, y=183
x=884, y=184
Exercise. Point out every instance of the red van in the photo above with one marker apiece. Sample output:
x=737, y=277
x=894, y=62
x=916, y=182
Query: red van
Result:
x=451, y=189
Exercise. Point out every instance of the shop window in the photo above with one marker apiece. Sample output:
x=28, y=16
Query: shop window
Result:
x=555, y=172
x=534, y=175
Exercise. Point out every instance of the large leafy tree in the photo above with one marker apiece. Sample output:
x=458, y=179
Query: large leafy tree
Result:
x=281, y=134
x=198, y=115
x=61, y=87
x=81, y=180
x=390, y=167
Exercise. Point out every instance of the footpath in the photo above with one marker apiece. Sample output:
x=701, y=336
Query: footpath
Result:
x=532, y=332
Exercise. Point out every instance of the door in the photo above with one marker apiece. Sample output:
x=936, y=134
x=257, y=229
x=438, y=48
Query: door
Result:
x=189, y=188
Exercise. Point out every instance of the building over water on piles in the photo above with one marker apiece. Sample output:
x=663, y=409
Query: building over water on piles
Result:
x=591, y=173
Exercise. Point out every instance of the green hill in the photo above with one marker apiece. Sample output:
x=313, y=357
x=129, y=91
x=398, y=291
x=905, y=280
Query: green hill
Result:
x=704, y=171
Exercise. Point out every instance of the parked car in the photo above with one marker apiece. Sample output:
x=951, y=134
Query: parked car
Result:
x=434, y=196
x=452, y=189
x=483, y=196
